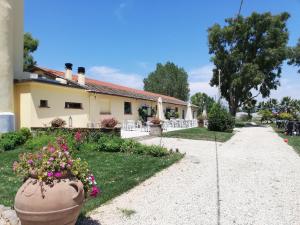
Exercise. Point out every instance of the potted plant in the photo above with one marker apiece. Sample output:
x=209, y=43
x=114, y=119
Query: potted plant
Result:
x=55, y=186
x=109, y=125
x=155, y=127
x=58, y=123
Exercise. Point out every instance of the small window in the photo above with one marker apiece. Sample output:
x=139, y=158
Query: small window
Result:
x=176, y=109
x=127, y=108
x=73, y=105
x=44, y=104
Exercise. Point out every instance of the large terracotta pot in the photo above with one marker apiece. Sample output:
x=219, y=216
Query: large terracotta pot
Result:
x=59, y=204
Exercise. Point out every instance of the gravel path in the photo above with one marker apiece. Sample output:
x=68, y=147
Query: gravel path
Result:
x=259, y=184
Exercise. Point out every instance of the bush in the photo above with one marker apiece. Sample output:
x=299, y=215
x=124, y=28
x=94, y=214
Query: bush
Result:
x=11, y=140
x=58, y=123
x=109, y=123
x=285, y=116
x=39, y=141
x=108, y=143
x=219, y=119
x=129, y=146
x=266, y=115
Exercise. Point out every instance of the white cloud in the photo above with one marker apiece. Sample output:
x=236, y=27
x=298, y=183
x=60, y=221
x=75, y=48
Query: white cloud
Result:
x=116, y=76
x=202, y=73
x=199, y=80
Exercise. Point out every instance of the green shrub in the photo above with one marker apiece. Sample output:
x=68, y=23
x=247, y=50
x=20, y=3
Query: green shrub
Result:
x=129, y=146
x=155, y=151
x=266, y=115
x=108, y=143
x=39, y=141
x=285, y=116
x=219, y=119
x=11, y=140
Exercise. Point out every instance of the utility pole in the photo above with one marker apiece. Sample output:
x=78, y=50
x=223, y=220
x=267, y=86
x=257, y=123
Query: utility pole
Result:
x=219, y=70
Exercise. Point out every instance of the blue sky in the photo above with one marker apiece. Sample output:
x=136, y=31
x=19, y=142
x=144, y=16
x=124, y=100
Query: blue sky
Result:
x=121, y=41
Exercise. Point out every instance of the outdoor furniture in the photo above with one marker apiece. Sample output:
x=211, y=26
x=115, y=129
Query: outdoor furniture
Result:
x=129, y=125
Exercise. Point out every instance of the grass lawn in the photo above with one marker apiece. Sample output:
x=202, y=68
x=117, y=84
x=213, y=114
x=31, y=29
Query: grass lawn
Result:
x=199, y=133
x=114, y=172
x=293, y=141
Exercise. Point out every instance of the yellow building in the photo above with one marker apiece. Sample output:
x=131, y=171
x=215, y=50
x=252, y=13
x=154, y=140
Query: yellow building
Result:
x=34, y=99
x=80, y=101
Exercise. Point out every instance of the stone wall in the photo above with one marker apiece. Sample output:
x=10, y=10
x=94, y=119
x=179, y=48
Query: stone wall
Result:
x=8, y=216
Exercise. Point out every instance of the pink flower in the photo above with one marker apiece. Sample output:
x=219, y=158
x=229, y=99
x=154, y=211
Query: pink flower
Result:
x=51, y=149
x=30, y=161
x=58, y=174
x=51, y=159
x=62, y=165
x=95, y=191
x=92, y=178
x=78, y=136
x=50, y=174
x=64, y=147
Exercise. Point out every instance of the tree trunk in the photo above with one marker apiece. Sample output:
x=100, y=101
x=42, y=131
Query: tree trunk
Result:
x=232, y=109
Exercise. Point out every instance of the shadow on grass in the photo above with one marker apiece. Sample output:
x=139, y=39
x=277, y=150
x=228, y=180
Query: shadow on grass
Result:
x=82, y=220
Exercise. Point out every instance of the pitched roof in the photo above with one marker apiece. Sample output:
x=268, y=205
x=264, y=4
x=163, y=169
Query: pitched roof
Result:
x=102, y=87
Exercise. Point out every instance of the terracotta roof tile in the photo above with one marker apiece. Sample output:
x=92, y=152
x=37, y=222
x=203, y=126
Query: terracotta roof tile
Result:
x=114, y=89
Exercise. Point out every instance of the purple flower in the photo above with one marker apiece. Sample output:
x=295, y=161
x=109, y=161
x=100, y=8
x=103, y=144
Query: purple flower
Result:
x=58, y=174
x=50, y=174
x=51, y=159
x=30, y=161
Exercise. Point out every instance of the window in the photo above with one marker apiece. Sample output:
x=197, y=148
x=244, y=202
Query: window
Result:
x=104, y=107
x=73, y=105
x=127, y=108
x=183, y=114
x=176, y=109
x=44, y=104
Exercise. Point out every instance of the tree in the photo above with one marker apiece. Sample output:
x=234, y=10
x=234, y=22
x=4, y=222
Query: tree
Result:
x=271, y=105
x=249, y=52
x=295, y=56
x=30, y=45
x=202, y=100
x=169, y=80
x=249, y=107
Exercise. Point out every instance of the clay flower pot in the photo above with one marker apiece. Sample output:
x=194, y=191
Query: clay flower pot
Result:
x=37, y=203
x=155, y=129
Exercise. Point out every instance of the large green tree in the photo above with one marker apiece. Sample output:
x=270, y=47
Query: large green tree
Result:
x=249, y=51
x=168, y=79
x=202, y=100
x=295, y=55
x=30, y=45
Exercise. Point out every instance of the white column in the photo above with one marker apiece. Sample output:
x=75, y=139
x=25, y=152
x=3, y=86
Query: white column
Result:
x=18, y=38
x=8, y=66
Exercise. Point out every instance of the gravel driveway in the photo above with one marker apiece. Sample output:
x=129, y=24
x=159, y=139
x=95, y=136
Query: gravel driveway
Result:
x=259, y=184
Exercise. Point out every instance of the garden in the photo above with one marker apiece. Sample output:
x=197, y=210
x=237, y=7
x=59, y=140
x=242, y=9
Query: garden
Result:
x=116, y=164
x=219, y=128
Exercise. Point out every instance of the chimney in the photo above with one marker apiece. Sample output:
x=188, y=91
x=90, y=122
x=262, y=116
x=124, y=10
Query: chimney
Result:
x=81, y=75
x=68, y=74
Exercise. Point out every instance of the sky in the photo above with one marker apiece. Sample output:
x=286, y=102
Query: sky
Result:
x=121, y=41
